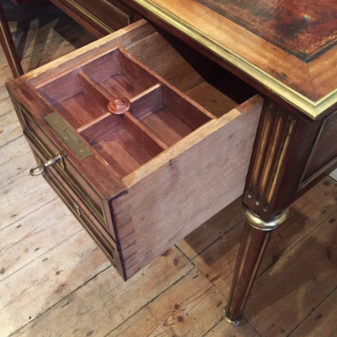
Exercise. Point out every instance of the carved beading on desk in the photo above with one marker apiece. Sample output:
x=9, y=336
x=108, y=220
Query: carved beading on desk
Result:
x=274, y=180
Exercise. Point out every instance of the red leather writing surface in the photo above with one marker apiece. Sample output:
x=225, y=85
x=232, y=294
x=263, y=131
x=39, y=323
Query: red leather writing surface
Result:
x=303, y=28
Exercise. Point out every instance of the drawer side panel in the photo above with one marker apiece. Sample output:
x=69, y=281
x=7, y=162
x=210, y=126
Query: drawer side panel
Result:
x=176, y=198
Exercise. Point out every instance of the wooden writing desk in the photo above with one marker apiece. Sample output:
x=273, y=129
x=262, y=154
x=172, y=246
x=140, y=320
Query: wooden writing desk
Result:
x=287, y=52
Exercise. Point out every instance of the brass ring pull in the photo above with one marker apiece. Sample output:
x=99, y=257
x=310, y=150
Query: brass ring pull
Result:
x=36, y=170
x=39, y=169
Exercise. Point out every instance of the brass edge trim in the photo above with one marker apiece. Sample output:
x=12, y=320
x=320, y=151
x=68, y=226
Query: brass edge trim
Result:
x=26, y=114
x=330, y=163
x=18, y=111
x=289, y=95
x=99, y=214
x=270, y=160
x=120, y=11
x=28, y=133
x=280, y=158
x=304, y=182
x=67, y=200
x=90, y=16
x=256, y=222
x=261, y=138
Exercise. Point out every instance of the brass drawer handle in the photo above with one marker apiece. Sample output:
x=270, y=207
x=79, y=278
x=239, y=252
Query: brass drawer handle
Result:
x=39, y=169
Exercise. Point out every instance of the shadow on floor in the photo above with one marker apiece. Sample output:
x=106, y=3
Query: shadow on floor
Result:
x=44, y=16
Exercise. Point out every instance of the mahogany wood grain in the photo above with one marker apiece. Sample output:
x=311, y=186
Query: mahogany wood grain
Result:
x=100, y=18
x=252, y=248
x=323, y=155
x=111, y=12
x=119, y=140
x=275, y=177
x=146, y=130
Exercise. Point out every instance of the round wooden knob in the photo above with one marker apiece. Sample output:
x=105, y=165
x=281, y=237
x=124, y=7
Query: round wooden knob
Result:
x=119, y=105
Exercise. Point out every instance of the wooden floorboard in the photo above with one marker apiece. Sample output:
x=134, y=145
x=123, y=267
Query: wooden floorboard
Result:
x=322, y=321
x=178, y=311
x=106, y=301
x=55, y=281
x=44, y=281
x=297, y=284
x=315, y=207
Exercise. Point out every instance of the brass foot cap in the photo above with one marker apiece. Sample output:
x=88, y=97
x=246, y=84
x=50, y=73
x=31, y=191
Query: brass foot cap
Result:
x=230, y=321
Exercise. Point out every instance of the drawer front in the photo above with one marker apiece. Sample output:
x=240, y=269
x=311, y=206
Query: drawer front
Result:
x=101, y=16
x=77, y=207
x=68, y=172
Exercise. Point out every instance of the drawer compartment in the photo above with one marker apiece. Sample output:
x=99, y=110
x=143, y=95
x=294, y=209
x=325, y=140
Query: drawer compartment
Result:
x=166, y=135
x=157, y=116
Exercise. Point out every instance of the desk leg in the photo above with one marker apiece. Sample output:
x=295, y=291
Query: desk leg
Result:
x=255, y=236
x=282, y=149
x=8, y=47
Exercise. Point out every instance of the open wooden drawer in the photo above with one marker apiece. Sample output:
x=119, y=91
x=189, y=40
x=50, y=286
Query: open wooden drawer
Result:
x=150, y=137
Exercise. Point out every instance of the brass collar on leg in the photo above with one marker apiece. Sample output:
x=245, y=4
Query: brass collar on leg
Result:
x=256, y=222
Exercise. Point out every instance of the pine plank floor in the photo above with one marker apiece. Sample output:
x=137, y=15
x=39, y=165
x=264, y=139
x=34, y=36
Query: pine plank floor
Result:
x=54, y=280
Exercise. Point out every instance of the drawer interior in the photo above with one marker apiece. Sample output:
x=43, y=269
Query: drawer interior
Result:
x=123, y=110
x=121, y=143
x=204, y=81
x=131, y=104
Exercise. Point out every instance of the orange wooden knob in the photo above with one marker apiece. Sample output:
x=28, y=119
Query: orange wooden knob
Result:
x=119, y=105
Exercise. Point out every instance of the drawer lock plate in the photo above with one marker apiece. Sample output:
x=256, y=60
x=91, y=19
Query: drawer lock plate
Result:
x=68, y=136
